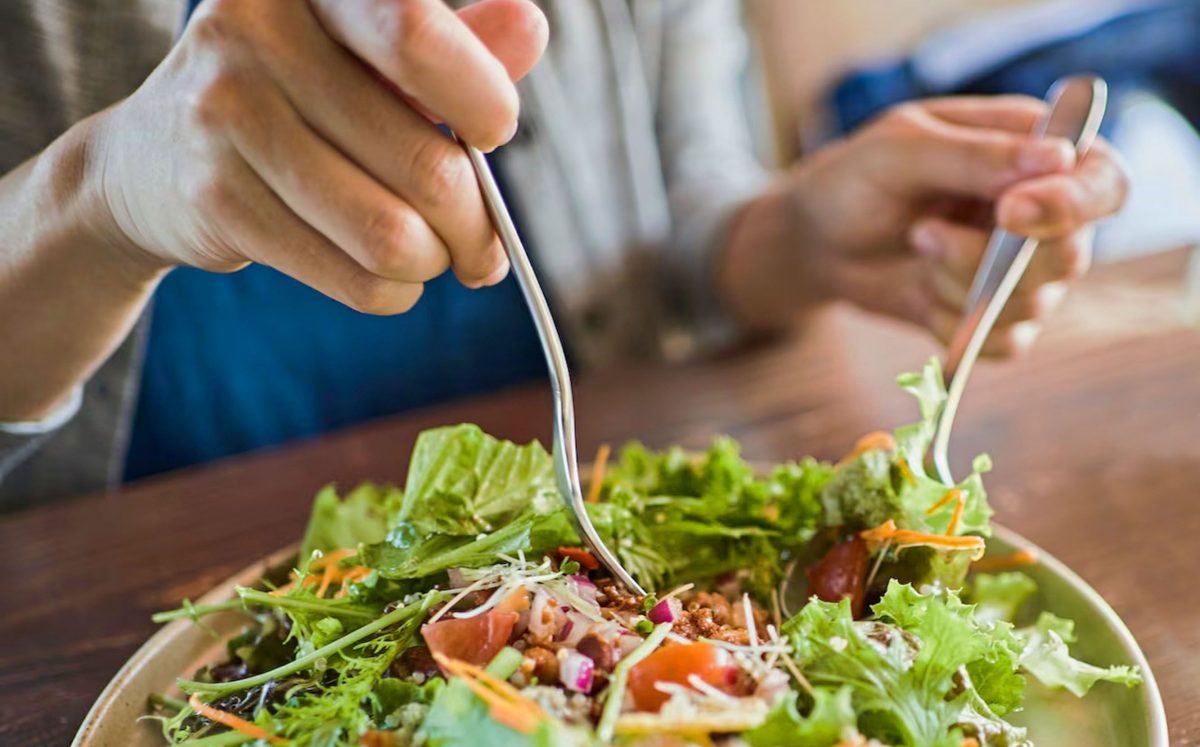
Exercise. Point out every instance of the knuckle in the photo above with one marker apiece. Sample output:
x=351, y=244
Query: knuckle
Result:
x=1063, y=208
x=218, y=102
x=403, y=27
x=216, y=24
x=442, y=173
x=907, y=117
x=385, y=234
x=370, y=294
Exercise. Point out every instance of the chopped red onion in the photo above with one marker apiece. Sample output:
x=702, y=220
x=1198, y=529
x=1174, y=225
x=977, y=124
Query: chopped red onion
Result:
x=585, y=587
x=565, y=630
x=576, y=672
x=666, y=611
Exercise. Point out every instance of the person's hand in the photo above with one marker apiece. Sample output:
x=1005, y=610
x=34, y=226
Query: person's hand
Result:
x=301, y=135
x=896, y=217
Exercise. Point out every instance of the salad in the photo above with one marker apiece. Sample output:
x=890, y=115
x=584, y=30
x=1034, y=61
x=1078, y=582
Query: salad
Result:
x=814, y=604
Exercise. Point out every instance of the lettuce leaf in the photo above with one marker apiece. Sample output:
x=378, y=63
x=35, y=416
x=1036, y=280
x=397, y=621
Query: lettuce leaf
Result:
x=1000, y=596
x=829, y=721
x=336, y=523
x=462, y=481
x=1047, y=658
x=912, y=670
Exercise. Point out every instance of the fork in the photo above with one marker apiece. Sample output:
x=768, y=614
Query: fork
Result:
x=566, y=465
x=1076, y=108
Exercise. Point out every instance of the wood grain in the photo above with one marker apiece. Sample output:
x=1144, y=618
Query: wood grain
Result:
x=1095, y=436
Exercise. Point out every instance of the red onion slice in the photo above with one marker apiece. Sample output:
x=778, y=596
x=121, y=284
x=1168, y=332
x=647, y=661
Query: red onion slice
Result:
x=666, y=611
x=576, y=672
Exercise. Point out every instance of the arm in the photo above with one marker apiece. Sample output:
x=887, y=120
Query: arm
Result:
x=300, y=136
x=69, y=291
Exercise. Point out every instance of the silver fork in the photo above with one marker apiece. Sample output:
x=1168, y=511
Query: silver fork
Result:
x=1076, y=109
x=566, y=464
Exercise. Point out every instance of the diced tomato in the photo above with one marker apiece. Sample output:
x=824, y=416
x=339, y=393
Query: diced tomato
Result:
x=676, y=662
x=841, y=574
x=475, y=640
x=580, y=556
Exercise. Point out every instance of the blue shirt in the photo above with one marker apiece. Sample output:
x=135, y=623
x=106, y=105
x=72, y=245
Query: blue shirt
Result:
x=242, y=361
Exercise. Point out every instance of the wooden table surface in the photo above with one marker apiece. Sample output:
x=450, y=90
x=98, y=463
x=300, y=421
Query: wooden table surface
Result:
x=1095, y=437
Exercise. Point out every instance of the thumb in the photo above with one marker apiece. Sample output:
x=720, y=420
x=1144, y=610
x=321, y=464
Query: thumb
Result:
x=515, y=31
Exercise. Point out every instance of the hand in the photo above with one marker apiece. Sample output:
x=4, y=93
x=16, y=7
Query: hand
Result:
x=301, y=135
x=897, y=216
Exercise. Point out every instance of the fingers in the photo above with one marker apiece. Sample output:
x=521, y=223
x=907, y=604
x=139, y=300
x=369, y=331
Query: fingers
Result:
x=1011, y=112
x=515, y=31
x=428, y=52
x=381, y=232
x=918, y=153
x=399, y=148
x=254, y=223
x=953, y=253
x=1056, y=205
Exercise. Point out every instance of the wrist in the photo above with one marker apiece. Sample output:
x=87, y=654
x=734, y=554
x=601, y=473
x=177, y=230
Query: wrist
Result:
x=770, y=276
x=69, y=179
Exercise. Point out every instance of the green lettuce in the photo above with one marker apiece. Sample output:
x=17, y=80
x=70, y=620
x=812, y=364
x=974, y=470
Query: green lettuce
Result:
x=1047, y=658
x=830, y=720
x=1000, y=596
x=911, y=670
x=462, y=481
x=343, y=523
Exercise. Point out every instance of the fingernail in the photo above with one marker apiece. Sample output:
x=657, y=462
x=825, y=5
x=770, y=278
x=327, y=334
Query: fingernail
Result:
x=926, y=242
x=1046, y=156
x=493, y=278
x=1022, y=212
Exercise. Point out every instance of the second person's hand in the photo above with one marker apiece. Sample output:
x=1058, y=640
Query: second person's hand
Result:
x=302, y=136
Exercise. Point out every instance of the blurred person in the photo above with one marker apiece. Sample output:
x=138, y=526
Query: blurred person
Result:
x=252, y=245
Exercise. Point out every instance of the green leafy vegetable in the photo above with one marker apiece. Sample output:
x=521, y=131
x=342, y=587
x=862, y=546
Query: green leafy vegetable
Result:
x=462, y=481
x=829, y=721
x=1000, y=596
x=1048, y=659
x=337, y=524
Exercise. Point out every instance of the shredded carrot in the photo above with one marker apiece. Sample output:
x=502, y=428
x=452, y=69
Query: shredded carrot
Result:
x=907, y=538
x=952, y=527
x=874, y=440
x=505, y=703
x=970, y=742
x=952, y=494
x=906, y=472
x=282, y=590
x=1018, y=559
x=598, y=473
x=326, y=579
x=581, y=556
x=218, y=716
x=332, y=557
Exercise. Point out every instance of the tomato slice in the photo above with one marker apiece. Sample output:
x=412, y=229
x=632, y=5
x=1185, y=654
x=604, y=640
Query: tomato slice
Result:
x=676, y=662
x=841, y=574
x=475, y=640
x=580, y=556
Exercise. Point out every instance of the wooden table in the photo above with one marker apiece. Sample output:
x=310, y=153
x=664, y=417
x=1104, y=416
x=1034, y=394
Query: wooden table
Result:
x=1095, y=436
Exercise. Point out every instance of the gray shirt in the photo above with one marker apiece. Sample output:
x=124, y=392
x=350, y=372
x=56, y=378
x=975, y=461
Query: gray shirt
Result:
x=632, y=153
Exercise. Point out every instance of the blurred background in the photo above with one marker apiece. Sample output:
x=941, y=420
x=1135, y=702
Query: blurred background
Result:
x=829, y=66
